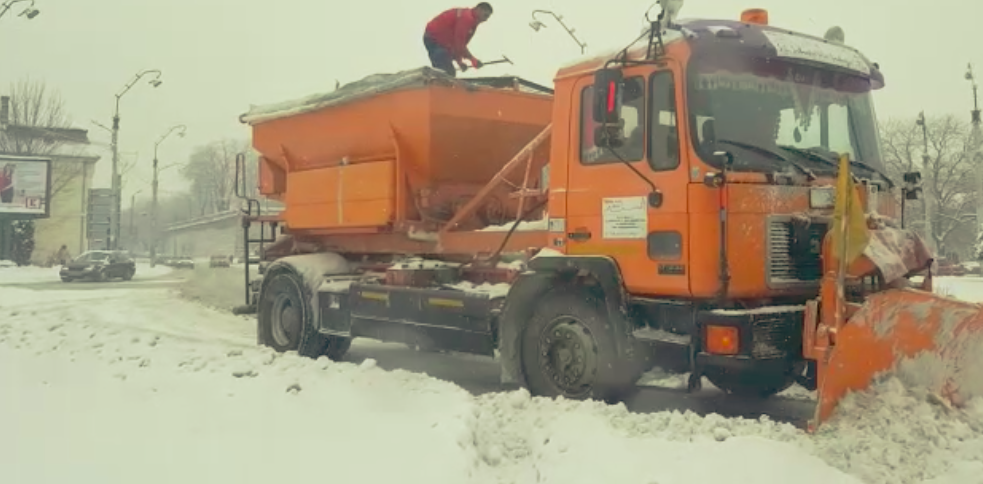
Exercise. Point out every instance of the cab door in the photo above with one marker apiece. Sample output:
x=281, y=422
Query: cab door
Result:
x=614, y=211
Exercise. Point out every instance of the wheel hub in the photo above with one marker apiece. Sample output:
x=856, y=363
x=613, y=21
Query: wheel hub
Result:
x=569, y=356
x=285, y=320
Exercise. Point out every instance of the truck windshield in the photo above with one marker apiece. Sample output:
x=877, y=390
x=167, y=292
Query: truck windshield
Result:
x=806, y=114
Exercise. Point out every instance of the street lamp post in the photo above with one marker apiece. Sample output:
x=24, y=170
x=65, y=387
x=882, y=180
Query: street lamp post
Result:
x=115, y=222
x=977, y=137
x=536, y=24
x=153, y=207
x=28, y=13
x=133, y=209
x=930, y=181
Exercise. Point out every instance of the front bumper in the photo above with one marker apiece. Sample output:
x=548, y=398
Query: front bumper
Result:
x=80, y=273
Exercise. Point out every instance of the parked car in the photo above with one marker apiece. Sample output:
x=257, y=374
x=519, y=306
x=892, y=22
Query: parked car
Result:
x=99, y=265
x=219, y=261
x=950, y=268
x=183, y=262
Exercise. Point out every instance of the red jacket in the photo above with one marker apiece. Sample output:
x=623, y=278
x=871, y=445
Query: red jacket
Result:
x=453, y=29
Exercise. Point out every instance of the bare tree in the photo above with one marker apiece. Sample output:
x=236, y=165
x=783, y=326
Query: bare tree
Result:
x=33, y=105
x=211, y=170
x=39, y=125
x=949, y=179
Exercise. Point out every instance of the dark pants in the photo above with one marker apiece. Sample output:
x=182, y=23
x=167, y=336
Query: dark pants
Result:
x=7, y=195
x=440, y=58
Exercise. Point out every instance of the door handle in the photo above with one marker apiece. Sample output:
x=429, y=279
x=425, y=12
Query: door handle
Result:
x=579, y=235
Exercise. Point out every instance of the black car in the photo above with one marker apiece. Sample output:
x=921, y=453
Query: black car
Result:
x=99, y=265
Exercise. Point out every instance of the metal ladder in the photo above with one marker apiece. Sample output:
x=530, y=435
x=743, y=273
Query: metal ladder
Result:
x=250, y=216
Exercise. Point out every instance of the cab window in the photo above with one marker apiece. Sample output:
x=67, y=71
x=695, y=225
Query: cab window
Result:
x=633, y=113
x=664, y=145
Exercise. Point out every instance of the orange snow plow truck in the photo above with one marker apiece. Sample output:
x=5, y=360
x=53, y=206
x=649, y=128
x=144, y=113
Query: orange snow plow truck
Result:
x=711, y=198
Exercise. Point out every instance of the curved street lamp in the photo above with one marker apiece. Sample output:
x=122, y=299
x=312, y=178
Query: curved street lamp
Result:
x=181, y=129
x=977, y=137
x=536, y=24
x=28, y=13
x=155, y=82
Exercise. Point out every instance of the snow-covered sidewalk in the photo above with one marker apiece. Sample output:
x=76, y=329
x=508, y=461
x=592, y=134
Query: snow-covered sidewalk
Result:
x=34, y=274
x=124, y=385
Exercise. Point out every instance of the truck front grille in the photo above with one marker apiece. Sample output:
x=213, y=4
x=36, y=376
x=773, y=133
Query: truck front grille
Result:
x=793, y=262
x=777, y=335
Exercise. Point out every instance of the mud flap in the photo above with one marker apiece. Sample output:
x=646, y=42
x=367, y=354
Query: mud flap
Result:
x=518, y=308
x=932, y=343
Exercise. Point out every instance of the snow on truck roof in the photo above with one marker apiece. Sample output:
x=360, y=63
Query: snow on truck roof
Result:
x=735, y=38
x=382, y=83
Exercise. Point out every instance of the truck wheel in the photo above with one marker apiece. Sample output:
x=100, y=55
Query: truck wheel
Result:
x=281, y=314
x=128, y=275
x=749, y=384
x=569, y=351
x=286, y=323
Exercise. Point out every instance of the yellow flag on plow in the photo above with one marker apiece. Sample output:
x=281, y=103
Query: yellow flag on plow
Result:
x=849, y=209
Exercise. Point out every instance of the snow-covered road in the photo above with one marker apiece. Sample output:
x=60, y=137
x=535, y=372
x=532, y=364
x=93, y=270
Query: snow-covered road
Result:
x=122, y=383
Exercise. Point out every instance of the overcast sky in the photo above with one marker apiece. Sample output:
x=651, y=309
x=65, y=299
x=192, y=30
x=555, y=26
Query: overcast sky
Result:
x=220, y=56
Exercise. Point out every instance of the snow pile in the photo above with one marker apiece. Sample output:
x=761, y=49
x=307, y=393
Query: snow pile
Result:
x=889, y=435
x=28, y=274
x=523, y=439
x=112, y=382
x=165, y=384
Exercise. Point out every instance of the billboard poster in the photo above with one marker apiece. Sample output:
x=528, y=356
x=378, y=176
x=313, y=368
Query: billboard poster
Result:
x=25, y=186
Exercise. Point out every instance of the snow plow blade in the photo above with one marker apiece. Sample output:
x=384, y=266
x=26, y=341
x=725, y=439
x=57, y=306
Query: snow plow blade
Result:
x=932, y=343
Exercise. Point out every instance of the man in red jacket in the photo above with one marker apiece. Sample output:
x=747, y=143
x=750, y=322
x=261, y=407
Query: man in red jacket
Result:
x=448, y=34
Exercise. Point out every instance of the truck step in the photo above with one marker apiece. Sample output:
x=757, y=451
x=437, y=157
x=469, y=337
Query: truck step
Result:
x=661, y=336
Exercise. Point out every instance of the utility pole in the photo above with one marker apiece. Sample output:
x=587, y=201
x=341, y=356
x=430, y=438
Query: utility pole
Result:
x=133, y=209
x=930, y=181
x=977, y=140
x=153, y=208
x=116, y=185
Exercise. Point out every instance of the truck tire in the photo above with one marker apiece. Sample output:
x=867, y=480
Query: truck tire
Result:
x=749, y=384
x=286, y=323
x=313, y=344
x=281, y=312
x=569, y=350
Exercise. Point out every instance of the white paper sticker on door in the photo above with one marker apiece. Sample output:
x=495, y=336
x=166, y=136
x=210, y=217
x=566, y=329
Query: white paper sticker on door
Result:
x=625, y=218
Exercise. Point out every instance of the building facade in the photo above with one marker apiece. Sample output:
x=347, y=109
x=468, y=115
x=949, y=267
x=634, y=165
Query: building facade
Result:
x=72, y=171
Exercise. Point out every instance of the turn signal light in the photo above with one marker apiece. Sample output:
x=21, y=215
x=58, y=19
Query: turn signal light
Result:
x=722, y=340
x=755, y=16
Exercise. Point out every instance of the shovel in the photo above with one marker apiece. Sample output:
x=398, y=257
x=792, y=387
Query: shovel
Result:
x=503, y=60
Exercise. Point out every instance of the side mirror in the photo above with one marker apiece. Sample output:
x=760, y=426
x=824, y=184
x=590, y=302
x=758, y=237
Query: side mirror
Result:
x=608, y=94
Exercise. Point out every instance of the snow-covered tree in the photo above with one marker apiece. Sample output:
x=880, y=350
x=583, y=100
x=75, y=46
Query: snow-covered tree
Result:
x=950, y=177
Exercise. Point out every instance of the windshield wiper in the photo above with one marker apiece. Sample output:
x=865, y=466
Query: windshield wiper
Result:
x=810, y=154
x=766, y=151
x=828, y=157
